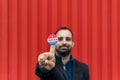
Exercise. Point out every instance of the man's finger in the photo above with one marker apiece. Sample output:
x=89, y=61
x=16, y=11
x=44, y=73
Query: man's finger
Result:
x=52, y=49
x=52, y=40
x=43, y=56
x=49, y=63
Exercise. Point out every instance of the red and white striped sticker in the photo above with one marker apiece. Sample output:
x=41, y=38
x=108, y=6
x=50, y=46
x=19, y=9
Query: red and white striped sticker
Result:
x=52, y=39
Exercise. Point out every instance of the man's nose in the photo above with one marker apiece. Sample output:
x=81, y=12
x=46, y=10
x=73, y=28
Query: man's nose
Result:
x=64, y=40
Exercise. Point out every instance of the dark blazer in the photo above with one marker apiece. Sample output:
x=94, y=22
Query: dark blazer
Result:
x=80, y=72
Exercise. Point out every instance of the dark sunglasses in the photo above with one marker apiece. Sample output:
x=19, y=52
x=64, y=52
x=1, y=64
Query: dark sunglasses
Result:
x=66, y=38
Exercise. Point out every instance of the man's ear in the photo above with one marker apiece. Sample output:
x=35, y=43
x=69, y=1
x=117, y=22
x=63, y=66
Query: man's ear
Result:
x=73, y=44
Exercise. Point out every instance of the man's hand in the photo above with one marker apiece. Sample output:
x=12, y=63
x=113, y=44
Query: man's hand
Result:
x=47, y=59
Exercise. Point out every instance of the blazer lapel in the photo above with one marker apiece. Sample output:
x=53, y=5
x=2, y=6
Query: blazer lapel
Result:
x=59, y=65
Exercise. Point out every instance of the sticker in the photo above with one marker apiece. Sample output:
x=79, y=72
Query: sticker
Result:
x=52, y=39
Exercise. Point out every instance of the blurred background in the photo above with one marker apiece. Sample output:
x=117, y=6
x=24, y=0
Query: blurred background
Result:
x=26, y=24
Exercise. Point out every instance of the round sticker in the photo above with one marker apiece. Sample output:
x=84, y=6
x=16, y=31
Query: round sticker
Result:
x=52, y=39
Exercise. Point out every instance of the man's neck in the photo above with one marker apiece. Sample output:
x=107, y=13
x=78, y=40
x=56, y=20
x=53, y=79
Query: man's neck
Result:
x=65, y=59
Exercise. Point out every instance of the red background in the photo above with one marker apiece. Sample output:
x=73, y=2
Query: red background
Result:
x=26, y=24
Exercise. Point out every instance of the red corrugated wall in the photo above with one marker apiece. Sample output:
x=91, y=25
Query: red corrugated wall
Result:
x=26, y=24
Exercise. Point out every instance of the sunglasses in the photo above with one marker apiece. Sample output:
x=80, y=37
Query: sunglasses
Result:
x=66, y=38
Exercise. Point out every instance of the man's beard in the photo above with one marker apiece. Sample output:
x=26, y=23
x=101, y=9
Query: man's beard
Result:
x=63, y=51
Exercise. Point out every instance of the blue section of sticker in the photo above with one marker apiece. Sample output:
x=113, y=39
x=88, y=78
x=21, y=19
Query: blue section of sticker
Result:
x=52, y=43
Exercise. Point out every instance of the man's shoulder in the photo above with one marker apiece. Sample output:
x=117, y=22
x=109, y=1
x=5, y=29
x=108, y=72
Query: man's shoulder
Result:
x=80, y=64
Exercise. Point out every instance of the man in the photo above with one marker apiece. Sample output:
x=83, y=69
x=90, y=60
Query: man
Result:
x=61, y=65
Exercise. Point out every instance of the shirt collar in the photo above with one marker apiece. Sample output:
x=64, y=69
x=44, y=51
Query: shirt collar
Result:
x=60, y=60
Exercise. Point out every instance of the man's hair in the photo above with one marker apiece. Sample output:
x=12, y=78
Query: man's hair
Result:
x=64, y=28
